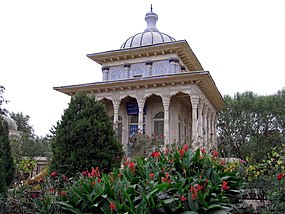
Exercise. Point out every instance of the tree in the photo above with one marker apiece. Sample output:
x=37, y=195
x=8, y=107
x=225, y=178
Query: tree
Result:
x=84, y=138
x=2, y=100
x=251, y=125
x=23, y=123
x=6, y=160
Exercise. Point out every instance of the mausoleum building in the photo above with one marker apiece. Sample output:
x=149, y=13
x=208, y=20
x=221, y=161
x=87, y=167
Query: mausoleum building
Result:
x=155, y=84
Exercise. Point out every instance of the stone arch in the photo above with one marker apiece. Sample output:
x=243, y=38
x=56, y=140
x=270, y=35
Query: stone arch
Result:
x=181, y=117
x=153, y=105
x=108, y=104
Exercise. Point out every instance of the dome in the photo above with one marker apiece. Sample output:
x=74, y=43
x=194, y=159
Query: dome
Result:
x=11, y=123
x=150, y=36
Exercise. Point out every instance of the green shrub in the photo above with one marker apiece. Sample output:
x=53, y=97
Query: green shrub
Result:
x=84, y=138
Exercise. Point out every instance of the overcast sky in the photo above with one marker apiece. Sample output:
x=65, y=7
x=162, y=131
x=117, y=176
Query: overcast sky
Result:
x=43, y=43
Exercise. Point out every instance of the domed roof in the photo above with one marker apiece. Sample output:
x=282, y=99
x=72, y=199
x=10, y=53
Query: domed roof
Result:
x=150, y=36
x=11, y=123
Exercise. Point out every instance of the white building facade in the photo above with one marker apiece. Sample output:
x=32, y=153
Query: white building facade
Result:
x=155, y=85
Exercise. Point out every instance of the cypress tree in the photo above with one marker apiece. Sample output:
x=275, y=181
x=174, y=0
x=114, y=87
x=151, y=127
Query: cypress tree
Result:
x=6, y=159
x=84, y=138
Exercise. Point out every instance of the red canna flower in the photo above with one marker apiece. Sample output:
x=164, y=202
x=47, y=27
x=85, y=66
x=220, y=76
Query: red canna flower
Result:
x=203, y=150
x=280, y=176
x=151, y=175
x=85, y=173
x=94, y=172
x=215, y=153
x=181, y=152
x=185, y=147
x=112, y=206
x=182, y=198
x=65, y=178
x=155, y=154
x=62, y=193
x=225, y=185
x=54, y=174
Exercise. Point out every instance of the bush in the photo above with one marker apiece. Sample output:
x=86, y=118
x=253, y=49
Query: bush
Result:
x=165, y=182
x=85, y=138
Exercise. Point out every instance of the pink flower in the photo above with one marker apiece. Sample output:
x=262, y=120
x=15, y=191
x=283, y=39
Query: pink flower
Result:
x=151, y=175
x=203, y=150
x=243, y=161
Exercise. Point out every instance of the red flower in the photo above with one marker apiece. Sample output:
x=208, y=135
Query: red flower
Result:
x=280, y=176
x=224, y=185
x=65, y=178
x=201, y=156
x=182, y=198
x=94, y=172
x=99, y=180
x=54, y=174
x=85, y=173
x=185, y=147
x=35, y=195
x=203, y=150
x=215, y=154
x=223, y=162
x=181, y=152
x=155, y=154
x=112, y=206
x=151, y=175
x=132, y=167
x=62, y=193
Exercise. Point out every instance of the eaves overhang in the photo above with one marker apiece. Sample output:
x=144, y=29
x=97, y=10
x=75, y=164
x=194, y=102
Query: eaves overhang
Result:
x=202, y=79
x=181, y=48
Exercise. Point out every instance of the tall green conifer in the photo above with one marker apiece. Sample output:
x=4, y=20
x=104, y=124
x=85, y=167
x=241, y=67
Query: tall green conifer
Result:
x=84, y=138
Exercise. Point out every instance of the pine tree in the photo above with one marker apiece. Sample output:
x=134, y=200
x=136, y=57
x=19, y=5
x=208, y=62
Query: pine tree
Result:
x=6, y=158
x=84, y=138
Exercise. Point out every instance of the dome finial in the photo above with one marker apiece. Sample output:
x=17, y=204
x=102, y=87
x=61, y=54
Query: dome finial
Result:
x=151, y=19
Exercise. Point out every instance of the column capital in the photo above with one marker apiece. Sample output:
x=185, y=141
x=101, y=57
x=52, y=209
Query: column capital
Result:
x=194, y=101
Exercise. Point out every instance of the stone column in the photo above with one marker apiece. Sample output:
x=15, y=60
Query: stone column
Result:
x=148, y=66
x=209, y=126
x=166, y=102
x=105, y=71
x=205, y=128
x=127, y=70
x=194, y=102
x=214, y=131
x=140, y=102
x=200, y=121
x=116, y=105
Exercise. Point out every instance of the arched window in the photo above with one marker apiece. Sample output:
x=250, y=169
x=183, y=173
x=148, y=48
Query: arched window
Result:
x=158, y=123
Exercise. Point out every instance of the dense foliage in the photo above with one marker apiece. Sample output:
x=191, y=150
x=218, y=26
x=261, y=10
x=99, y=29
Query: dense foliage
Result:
x=251, y=125
x=84, y=138
x=167, y=181
x=6, y=161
